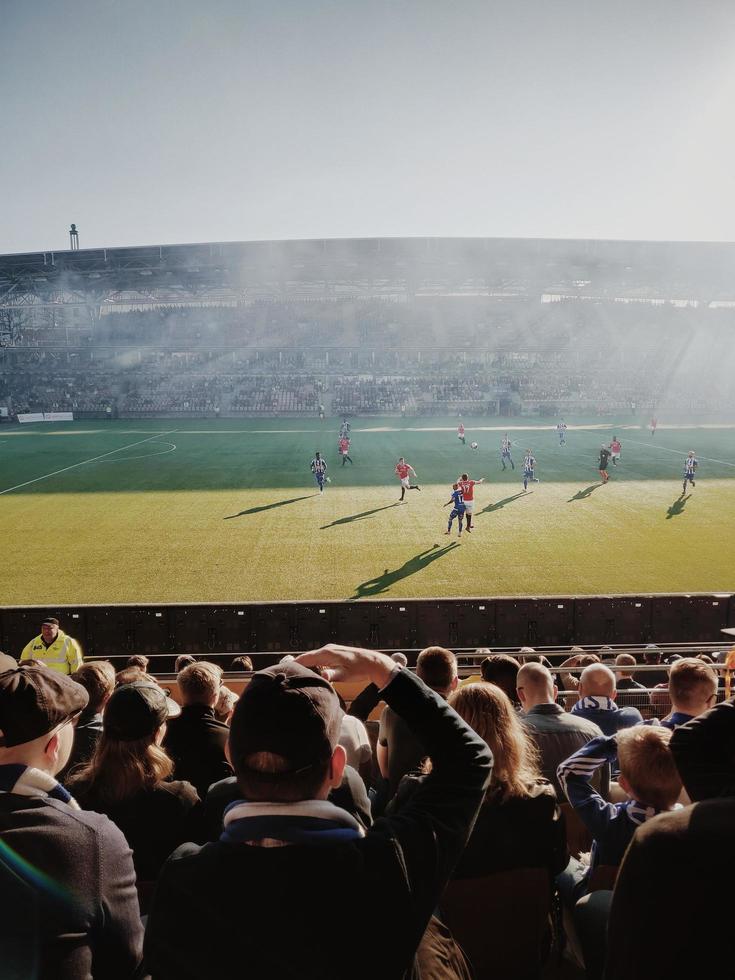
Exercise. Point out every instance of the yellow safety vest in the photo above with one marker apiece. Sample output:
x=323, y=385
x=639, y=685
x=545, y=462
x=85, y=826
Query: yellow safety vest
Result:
x=63, y=655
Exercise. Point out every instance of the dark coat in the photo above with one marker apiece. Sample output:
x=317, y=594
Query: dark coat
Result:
x=298, y=911
x=81, y=911
x=155, y=822
x=196, y=742
x=685, y=853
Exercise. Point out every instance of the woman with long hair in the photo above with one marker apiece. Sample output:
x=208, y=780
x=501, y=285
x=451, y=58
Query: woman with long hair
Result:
x=519, y=824
x=128, y=778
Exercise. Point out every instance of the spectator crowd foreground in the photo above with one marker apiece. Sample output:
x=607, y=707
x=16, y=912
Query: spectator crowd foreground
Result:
x=261, y=836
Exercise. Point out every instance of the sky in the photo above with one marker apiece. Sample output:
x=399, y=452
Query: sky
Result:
x=171, y=121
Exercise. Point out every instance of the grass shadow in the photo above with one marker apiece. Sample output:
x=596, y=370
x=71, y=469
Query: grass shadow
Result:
x=587, y=492
x=499, y=504
x=677, y=507
x=381, y=583
x=259, y=510
x=357, y=517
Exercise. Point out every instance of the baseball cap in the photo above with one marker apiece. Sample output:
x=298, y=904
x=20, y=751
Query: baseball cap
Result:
x=289, y=710
x=136, y=710
x=34, y=700
x=50, y=621
x=730, y=630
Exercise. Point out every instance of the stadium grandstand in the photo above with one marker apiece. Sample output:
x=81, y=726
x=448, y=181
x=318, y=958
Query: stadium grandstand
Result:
x=585, y=644
x=384, y=326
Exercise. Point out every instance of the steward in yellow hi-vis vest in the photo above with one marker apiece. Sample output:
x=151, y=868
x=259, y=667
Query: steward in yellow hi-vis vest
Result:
x=54, y=649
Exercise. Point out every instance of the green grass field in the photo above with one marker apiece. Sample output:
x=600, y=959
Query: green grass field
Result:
x=166, y=511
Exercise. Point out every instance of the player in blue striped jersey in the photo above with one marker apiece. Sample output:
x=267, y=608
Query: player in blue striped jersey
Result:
x=319, y=469
x=529, y=470
x=505, y=452
x=458, y=508
x=690, y=468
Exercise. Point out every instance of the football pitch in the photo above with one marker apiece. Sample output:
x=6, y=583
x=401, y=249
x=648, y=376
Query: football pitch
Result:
x=227, y=510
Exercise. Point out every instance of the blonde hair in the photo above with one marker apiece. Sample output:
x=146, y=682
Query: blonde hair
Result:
x=488, y=710
x=691, y=681
x=119, y=769
x=200, y=683
x=648, y=765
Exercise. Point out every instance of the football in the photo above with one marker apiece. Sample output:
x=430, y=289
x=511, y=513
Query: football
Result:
x=473, y=445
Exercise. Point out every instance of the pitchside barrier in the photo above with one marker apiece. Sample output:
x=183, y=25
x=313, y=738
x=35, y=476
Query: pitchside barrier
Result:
x=219, y=630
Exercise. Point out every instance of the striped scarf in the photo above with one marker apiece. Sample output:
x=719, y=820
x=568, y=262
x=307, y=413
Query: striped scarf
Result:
x=313, y=822
x=27, y=781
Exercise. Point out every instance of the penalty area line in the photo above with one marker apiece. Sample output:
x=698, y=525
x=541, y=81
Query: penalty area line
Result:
x=678, y=452
x=83, y=462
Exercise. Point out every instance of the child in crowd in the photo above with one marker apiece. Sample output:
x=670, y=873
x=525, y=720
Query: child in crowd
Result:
x=649, y=777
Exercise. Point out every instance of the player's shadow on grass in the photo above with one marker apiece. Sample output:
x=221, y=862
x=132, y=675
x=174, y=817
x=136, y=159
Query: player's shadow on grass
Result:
x=677, y=507
x=357, y=517
x=381, y=583
x=499, y=504
x=258, y=510
x=583, y=494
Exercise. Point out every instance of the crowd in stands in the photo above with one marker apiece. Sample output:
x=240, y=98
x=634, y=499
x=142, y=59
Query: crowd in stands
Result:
x=147, y=835
x=435, y=355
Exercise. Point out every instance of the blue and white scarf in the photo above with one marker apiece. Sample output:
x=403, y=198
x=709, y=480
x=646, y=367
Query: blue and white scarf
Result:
x=27, y=781
x=596, y=702
x=312, y=822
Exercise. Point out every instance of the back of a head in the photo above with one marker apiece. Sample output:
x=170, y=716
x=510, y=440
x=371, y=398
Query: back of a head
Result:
x=490, y=713
x=284, y=730
x=624, y=661
x=536, y=682
x=138, y=660
x=652, y=654
x=129, y=675
x=692, y=684
x=502, y=670
x=243, y=662
x=597, y=680
x=437, y=668
x=648, y=765
x=183, y=660
x=97, y=677
x=200, y=683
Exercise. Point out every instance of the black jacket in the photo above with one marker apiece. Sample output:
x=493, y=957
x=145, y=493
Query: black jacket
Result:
x=704, y=750
x=87, y=733
x=155, y=822
x=352, y=909
x=686, y=855
x=75, y=880
x=196, y=742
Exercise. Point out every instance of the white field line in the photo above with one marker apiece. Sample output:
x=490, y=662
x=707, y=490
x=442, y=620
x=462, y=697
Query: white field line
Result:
x=164, y=452
x=93, y=459
x=678, y=452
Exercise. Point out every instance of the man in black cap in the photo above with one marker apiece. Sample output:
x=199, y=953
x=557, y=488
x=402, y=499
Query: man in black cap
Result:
x=306, y=891
x=70, y=907
x=54, y=648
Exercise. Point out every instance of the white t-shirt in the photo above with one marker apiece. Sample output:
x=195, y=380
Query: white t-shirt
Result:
x=355, y=741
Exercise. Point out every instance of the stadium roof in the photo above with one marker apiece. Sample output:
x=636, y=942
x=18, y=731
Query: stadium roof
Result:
x=375, y=267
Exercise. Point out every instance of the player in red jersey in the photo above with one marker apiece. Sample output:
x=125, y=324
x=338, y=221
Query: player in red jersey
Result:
x=460, y=433
x=344, y=450
x=467, y=487
x=403, y=471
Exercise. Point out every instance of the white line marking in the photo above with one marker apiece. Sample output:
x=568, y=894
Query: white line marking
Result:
x=126, y=459
x=678, y=452
x=82, y=463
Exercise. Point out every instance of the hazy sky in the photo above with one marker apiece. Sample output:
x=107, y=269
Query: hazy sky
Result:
x=156, y=121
